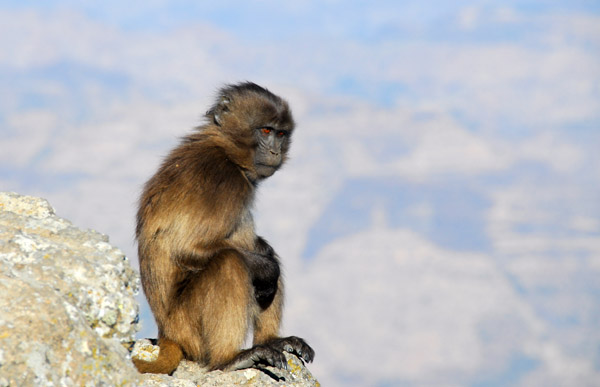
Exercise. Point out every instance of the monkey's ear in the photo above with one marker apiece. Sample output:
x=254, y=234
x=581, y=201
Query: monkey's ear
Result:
x=218, y=111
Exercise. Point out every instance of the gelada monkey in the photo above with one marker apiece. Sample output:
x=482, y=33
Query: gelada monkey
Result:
x=207, y=276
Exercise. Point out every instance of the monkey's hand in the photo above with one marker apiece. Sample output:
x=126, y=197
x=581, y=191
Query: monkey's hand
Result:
x=264, y=270
x=294, y=345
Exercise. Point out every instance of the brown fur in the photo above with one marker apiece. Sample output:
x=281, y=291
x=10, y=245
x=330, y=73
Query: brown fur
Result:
x=193, y=224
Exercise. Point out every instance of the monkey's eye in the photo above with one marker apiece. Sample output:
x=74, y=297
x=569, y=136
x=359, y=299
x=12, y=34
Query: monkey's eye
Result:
x=266, y=130
x=280, y=133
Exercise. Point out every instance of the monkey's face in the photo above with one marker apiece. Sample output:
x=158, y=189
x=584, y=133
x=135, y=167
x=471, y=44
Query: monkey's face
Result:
x=272, y=145
x=258, y=124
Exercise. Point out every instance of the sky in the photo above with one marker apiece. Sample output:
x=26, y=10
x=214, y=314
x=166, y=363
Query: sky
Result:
x=439, y=218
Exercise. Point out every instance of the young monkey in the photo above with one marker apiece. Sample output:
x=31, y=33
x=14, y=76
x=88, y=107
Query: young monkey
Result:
x=207, y=276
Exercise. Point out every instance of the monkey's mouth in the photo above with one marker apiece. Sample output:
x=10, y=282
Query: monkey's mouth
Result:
x=265, y=170
x=262, y=165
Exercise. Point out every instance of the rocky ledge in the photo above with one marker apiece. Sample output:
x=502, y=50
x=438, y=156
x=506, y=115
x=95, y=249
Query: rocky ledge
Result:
x=68, y=314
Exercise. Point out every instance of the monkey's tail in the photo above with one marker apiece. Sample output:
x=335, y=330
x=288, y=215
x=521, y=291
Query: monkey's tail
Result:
x=169, y=356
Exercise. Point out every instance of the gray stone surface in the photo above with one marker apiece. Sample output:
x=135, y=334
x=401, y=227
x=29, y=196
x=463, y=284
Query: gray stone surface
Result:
x=68, y=313
x=66, y=300
x=191, y=374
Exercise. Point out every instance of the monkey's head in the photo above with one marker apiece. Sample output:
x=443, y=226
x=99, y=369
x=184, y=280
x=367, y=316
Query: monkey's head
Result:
x=258, y=123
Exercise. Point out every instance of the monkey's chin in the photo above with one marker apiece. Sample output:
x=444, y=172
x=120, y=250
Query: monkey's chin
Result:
x=265, y=170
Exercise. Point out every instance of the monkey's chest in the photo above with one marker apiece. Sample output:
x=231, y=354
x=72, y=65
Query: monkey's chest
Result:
x=243, y=235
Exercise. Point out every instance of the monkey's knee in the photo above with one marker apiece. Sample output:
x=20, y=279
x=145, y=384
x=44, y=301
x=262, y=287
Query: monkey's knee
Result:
x=229, y=272
x=227, y=285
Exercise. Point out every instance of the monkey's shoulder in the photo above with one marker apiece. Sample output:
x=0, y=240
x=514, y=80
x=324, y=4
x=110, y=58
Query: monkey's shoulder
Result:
x=202, y=163
x=199, y=181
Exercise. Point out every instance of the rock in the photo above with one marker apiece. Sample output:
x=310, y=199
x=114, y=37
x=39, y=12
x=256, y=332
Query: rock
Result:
x=68, y=314
x=66, y=300
x=191, y=374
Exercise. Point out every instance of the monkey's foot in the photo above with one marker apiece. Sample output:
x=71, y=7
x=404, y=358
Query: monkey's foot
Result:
x=259, y=354
x=294, y=345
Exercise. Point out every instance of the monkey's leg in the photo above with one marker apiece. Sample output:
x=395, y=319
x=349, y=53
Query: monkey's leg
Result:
x=228, y=303
x=268, y=320
x=266, y=329
x=222, y=293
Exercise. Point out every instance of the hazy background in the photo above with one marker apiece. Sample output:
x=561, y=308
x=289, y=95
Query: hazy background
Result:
x=439, y=219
